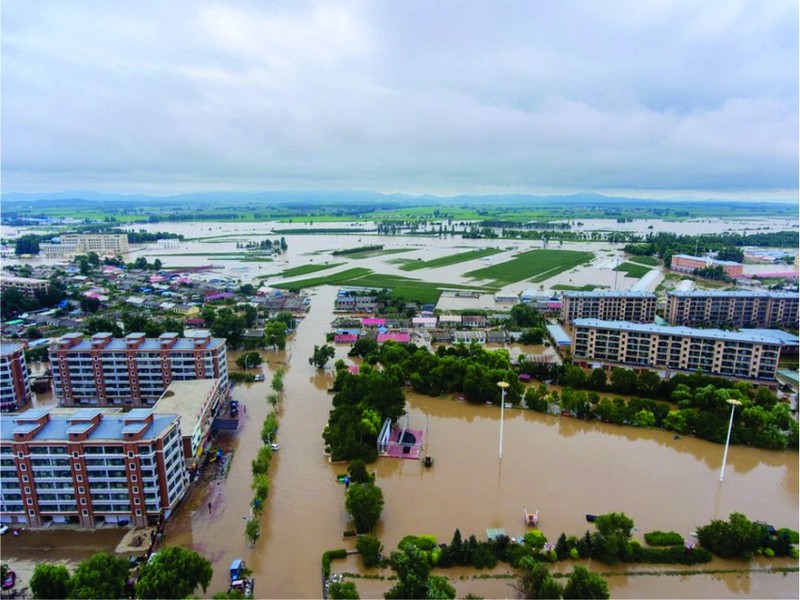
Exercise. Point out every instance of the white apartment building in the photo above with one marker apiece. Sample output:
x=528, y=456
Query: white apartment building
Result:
x=134, y=370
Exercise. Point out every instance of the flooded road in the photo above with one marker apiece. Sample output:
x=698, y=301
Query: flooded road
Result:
x=563, y=466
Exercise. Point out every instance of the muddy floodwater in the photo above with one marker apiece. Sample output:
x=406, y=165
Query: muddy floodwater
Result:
x=564, y=467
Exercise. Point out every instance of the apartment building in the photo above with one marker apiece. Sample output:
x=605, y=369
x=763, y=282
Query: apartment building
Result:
x=90, y=467
x=81, y=243
x=197, y=403
x=687, y=264
x=15, y=387
x=134, y=370
x=733, y=309
x=637, y=307
x=741, y=355
x=26, y=285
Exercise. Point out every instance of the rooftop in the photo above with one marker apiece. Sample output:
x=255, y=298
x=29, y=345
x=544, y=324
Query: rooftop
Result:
x=185, y=399
x=730, y=294
x=714, y=334
x=113, y=424
x=609, y=294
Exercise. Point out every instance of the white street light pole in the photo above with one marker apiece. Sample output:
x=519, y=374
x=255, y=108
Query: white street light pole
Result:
x=734, y=404
x=502, y=385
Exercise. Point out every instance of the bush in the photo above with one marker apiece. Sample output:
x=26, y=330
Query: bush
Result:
x=370, y=548
x=663, y=538
x=357, y=469
x=330, y=555
x=535, y=539
x=260, y=464
x=736, y=537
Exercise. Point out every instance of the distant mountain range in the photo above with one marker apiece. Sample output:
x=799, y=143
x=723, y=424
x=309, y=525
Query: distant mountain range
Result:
x=339, y=197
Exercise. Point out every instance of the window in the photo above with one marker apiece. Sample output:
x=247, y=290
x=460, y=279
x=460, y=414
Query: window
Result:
x=130, y=454
x=23, y=467
x=79, y=478
x=83, y=501
x=32, y=512
x=135, y=489
x=138, y=512
x=29, y=501
x=77, y=467
x=136, y=501
x=134, y=478
x=85, y=512
x=27, y=490
x=24, y=479
x=132, y=466
x=74, y=455
x=81, y=490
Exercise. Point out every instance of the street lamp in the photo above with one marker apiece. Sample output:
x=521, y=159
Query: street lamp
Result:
x=734, y=404
x=503, y=385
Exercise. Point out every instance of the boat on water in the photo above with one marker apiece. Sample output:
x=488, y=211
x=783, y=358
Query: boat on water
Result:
x=531, y=519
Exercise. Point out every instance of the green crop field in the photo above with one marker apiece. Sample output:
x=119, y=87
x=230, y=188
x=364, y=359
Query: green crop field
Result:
x=449, y=260
x=645, y=260
x=306, y=269
x=538, y=265
x=633, y=270
x=410, y=289
x=371, y=253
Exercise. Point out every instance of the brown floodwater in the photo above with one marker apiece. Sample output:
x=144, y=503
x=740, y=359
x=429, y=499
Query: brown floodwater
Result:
x=563, y=466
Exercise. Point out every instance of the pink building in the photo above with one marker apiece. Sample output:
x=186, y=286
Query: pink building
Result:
x=686, y=264
x=401, y=337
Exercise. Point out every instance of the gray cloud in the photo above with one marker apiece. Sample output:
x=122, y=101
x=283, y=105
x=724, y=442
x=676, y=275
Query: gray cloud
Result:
x=401, y=96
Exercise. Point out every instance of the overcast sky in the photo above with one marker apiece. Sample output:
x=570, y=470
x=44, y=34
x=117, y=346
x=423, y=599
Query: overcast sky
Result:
x=666, y=97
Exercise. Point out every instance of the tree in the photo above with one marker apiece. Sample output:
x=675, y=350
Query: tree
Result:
x=412, y=568
x=357, y=469
x=252, y=531
x=90, y=305
x=737, y=537
x=623, y=381
x=27, y=244
x=533, y=336
x=275, y=334
x=364, y=503
x=370, y=548
x=535, y=581
x=343, y=590
x=100, y=576
x=173, y=573
x=248, y=359
x=321, y=355
x=582, y=583
x=615, y=524
x=50, y=581
x=96, y=324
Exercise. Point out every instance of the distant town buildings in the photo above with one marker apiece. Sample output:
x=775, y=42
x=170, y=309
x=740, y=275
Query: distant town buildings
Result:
x=90, y=467
x=733, y=309
x=742, y=355
x=15, y=388
x=134, y=370
x=81, y=243
x=686, y=263
x=638, y=307
x=26, y=285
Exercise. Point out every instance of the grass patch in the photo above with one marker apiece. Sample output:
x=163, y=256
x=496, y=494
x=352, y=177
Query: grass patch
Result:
x=576, y=288
x=633, y=270
x=410, y=289
x=645, y=260
x=371, y=253
x=535, y=264
x=449, y=260
x=306, y=269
